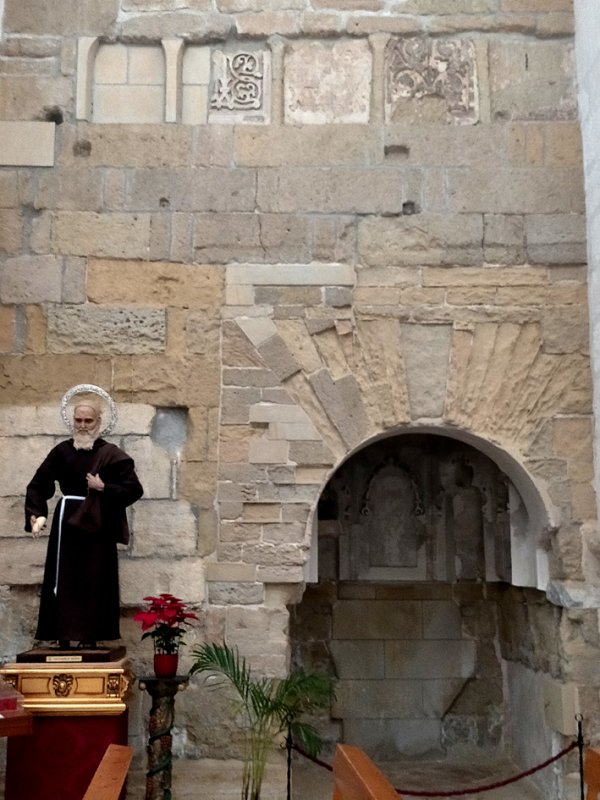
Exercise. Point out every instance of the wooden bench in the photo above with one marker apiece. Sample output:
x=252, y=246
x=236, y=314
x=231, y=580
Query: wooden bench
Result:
x=355, y=777
x=109, y=778
x=591, y=772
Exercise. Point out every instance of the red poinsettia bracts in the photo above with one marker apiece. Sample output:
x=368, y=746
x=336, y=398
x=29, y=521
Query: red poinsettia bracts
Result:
x=162, y=621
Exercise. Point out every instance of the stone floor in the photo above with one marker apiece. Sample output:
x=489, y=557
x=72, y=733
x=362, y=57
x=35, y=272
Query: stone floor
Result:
x=220, y=780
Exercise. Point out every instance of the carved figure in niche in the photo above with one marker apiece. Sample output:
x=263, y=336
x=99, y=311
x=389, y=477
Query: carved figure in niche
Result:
x=391, y=528
x=463, y=506
x=80, y=591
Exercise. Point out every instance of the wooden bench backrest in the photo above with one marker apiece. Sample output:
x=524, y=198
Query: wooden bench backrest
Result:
x=109, y=778
x=591, y=772
x=355, y=777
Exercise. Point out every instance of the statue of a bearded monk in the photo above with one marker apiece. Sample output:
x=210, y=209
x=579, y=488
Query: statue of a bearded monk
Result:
x=80, y=592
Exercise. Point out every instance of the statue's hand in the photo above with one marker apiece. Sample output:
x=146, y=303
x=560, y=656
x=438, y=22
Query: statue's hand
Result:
x=94, y=482
x=37, y=525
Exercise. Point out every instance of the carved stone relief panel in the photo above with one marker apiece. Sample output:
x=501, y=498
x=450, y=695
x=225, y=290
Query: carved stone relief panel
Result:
x=422, y=508
x=431, y=80
x=327, y=82
x=240, y=87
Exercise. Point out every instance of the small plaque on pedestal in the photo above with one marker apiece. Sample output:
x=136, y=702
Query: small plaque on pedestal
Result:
x=58, y=655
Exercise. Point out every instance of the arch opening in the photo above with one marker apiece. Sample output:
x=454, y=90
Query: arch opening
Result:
x=427, y=552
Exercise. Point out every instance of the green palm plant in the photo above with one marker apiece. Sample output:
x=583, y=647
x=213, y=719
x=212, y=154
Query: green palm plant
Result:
x=269, y=707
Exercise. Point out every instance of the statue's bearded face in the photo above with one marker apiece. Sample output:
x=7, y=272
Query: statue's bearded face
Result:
x=86, y=425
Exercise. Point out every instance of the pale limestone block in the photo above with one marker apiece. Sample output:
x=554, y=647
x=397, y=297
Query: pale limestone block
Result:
x=376, y=699
x=90, y=329
x=194, y=105
x=327, y=82
x=11, y=231
x=110, y=64
x=146, y=64
x=381, y=619
x=249, y=376
x=198, y=27
x=291, y=274
x=196, y=65
x=265, y=451
x=103, y=235
x=278, y=412
x=343, y=403
x=564, y=330
x=74, y=275
x=556, y=238
x=389, y=738
x=9, y=188
x=426, y=352
x=333, y=190
x=239, y=295
x=132, y=145
x=261, y=512
x=28, y=144
x=134, y=419
x=561, y=705
x=486, y=276
x=69, y=189
x=128, y=104
x=358, y=659
x=28, y=96
x=514, y=191
x=283, y=533
x=223, y=594
x=280, y=574
x=24, y=454
x=164, y=528
x=258, y=331
x=421, y=239
x=141, y=577
x=153, y=466
x=12, y=517
x=543, y=89
x=202, y=332
x=32, y=420
x=229, y=572
x=284, y=146
x=31, y=279
x=429, y=660
x=23, y=562
x=293, y=430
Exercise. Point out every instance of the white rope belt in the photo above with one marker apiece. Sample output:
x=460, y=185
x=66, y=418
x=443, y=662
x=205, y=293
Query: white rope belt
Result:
x=61, y=514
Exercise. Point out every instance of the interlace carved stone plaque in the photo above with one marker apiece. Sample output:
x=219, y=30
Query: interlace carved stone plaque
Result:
x=240, y=86
x=431, y=80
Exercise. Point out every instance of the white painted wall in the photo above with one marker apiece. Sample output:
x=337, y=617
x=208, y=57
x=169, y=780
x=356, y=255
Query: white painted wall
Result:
x=587, y=42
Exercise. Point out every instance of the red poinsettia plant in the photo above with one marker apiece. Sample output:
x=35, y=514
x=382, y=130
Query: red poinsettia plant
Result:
x=163, y=621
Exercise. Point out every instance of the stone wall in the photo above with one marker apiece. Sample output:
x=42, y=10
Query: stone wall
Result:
x=304, y=225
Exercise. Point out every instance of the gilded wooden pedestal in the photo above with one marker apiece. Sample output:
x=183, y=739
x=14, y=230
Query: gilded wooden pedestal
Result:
x=71, y=689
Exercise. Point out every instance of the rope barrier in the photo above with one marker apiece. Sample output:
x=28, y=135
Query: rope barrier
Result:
x=458, y=792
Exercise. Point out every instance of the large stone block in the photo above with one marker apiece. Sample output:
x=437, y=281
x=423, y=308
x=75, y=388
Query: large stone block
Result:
x=421, y=239
x=515, y=191
x=27, y=144
x=103, y=235
x=69, y=189
x=92, y=329
x=430, y=660
x=141, y=577
x=24, y=454
x=202, y=189
x=31, y=97
x=380, y=619
x=532, y=80
x=375, y=699
x=24, y=561
x=10, y=230
x=334, y=190
x=72, y=17
x=358, y=659
x=556, y=238
x=155, y=283
x=131, y=146
x=164, y=528
x=31, y=279
x=426, y=350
